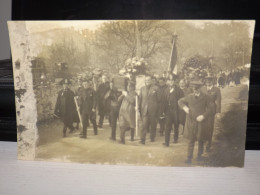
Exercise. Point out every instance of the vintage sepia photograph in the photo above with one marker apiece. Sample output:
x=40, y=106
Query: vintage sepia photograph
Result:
x=132, y=92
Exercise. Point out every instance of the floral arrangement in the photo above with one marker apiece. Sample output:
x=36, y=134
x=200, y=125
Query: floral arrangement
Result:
x=197, y=67
x=134, y=66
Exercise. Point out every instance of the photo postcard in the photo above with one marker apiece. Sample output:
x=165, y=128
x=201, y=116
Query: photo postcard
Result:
x=132, y=92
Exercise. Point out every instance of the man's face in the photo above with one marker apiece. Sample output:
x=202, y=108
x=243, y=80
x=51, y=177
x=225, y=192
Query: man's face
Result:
x=86, y=85
x=161, y=82
x=148, y=81
x=195, y=88
x=182, y=84
x=171, y=82
x=65, y=86
x=104, y=79
x=111, y=85
x=209, y=82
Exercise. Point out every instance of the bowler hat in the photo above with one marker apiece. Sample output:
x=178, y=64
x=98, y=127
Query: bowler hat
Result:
x=65, y=81
x=196, y=83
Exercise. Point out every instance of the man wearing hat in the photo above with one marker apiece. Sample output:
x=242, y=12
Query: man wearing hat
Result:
x=215, y=106
x=196, y=105
x=162, y=91
x=148, y=105
x=65, y=107
x=87, y=104
x=101, y=92
x=173, y=94
x=111, y=99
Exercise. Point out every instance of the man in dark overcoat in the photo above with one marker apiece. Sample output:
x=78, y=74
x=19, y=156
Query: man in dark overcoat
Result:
x=111, y=99
x=65, y=107
x=87, y=104
x=101, y=92
x=148, y=107
x=196, y=106
x=173, y=94
x=162, y=91
x=215, y=106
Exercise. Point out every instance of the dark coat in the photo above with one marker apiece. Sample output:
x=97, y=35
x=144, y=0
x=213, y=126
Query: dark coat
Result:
x=198, y=106
x=101, y=92
x=65, y=107
x=111, y=99
x=162, y=92
x=149, y=101
x=87, y=101
x=215, y=97
x=171, y=107
x=182, y=115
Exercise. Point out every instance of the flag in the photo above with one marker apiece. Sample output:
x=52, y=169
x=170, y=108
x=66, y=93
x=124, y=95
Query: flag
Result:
x=173, y=58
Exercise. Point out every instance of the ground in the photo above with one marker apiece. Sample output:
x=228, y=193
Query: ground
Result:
x=227, y=149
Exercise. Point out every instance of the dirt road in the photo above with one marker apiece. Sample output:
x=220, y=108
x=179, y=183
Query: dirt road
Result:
x=227, y=149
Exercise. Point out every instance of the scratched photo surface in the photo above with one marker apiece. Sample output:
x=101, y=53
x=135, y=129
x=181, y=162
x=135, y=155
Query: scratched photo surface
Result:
x=132, y=92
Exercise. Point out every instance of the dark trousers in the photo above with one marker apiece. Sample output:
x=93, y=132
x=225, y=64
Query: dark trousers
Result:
x=113, y=121
x=67, y=125
x=122, y=135
x=169, y=122
x=149, y=122
x=101, y=119
x=162, y=125
x=211, y=121
x=191, y=148
x=92, y=118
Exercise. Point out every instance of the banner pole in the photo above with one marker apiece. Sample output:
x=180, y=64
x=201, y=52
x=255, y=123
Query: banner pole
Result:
x=136, y=115
x=80, y=119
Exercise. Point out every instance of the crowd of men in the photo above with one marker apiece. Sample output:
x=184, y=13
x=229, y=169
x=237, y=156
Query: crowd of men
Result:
x=174, y=104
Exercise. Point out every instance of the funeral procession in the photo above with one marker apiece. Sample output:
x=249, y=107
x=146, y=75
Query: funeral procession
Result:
x=164, y=93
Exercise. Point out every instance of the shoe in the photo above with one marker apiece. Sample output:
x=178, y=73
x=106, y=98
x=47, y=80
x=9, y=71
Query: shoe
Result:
x=132, y=139
x=100, y=126
x=113, y=139
x=188, y=161
x=199, y=158
x=142, y=142
x=175, y=141
x=83, y=137
x=165, y=144
x=121, y=142
x=95, y=133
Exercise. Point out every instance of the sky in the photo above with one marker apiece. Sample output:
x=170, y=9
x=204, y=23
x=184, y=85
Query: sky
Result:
x=39, y=26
